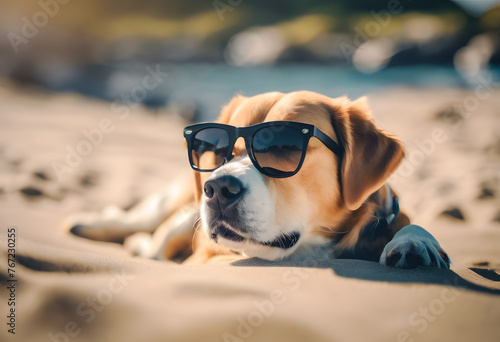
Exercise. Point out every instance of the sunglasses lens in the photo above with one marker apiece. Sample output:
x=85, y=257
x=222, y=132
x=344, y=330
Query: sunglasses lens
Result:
x=278, y=150
x=209, y=148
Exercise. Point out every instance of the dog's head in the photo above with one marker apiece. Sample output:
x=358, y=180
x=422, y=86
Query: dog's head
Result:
x=259, y=216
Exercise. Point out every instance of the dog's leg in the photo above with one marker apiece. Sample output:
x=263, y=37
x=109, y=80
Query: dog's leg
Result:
x=115, y=224
x=174, y=237
x=413, y=246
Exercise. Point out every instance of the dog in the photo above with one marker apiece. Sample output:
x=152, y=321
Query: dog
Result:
x=278, y=176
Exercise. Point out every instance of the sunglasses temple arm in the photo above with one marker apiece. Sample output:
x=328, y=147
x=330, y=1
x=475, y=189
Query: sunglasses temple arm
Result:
x=328, y=142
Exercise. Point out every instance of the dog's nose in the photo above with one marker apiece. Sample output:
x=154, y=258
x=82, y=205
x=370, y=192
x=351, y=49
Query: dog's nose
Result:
x=225, y=190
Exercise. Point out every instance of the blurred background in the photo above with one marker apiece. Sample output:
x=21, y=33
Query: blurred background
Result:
x=66, y=66
x=71, y=72
x=212, y=49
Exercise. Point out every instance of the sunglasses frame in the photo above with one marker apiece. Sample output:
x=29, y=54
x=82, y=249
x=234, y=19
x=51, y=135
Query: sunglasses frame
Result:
x=248, y=134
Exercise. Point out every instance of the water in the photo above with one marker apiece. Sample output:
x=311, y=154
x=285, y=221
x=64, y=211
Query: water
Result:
x=210, y=86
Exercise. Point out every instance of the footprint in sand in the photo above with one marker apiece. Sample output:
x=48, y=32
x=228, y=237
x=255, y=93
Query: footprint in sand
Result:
x=15, y=164
x=493, y=147
x=446, y=188
x=450, y=114
x=89, y=180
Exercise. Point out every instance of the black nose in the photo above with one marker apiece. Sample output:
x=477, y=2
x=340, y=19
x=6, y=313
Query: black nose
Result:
x=224, y=190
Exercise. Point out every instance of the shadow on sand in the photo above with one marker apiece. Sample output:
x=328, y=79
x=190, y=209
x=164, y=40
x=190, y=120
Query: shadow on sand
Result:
x=474, y=279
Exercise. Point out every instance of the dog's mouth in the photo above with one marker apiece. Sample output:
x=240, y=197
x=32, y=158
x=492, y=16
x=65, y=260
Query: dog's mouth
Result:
x=283, y=241
x=226, y=233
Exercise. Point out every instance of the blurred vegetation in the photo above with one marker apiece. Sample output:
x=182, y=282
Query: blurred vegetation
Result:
x=153, y=19
x=240, y=32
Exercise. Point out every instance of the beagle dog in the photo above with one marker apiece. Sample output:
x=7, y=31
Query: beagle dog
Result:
x=278, y=176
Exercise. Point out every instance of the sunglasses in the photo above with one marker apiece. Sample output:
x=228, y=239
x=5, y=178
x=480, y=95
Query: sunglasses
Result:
x=277, y=149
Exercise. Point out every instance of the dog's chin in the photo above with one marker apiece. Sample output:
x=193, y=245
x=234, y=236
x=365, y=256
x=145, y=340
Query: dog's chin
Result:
x=277, y=248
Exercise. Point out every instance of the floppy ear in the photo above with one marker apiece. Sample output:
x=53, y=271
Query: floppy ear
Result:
x=371, y=154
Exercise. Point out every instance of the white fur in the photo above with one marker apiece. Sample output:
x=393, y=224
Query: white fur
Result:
x=414, y=239
x=264, y=215
x=153, y=246
x=113, y=222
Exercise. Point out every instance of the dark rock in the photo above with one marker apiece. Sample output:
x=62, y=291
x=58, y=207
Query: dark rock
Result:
x=455, y=213
x=41, y=175
x=486, y=193
x=31, y=192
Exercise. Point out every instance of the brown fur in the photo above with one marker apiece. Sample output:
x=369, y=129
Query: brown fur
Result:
x=341, y=210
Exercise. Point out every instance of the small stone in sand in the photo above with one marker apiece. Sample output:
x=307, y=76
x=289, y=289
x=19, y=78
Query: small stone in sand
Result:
x=486, y=193
x=41, y=175
x=455, y=213
x=30, y=191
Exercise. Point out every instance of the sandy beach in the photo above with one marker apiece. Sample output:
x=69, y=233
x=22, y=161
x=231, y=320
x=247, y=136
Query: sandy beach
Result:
x=63, y=153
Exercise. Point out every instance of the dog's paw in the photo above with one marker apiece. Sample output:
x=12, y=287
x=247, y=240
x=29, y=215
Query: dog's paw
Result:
x=107, y=225
x=412, y=247
x=139, y=244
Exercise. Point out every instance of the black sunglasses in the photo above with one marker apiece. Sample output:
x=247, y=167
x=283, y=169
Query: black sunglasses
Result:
x=277, y=148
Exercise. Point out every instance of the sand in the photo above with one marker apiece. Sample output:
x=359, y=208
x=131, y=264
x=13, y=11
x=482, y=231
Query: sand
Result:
x=70, y=288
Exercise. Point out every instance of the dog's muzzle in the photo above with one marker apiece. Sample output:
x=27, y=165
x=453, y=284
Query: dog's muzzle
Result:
x=223, y=197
